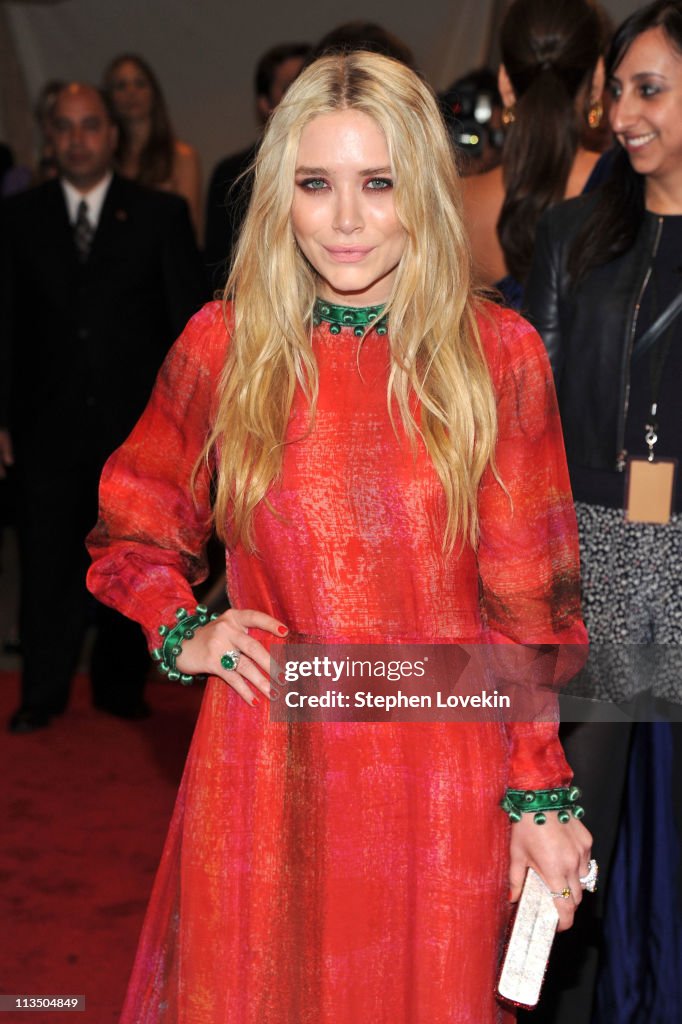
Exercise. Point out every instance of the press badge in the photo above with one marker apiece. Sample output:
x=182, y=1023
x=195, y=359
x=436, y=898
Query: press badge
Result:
x=650, y=490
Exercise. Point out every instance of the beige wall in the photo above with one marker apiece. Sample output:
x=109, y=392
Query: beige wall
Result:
x=204, y=51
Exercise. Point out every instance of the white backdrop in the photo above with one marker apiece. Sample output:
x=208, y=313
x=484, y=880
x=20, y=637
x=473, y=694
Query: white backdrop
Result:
x=204, y=52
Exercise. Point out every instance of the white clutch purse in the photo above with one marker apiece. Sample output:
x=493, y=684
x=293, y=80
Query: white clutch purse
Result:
x=530, y=941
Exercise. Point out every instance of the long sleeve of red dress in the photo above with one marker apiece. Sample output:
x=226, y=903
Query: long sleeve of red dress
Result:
x=528, y=552
x=147, y=547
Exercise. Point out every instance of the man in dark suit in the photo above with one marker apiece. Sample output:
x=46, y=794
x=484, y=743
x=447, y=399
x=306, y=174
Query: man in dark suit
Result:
x=98, y=276
x=229, y=189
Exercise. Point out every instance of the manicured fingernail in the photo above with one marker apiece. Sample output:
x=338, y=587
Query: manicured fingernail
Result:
x=281, y=678
x=510, y=895
x=282, y=630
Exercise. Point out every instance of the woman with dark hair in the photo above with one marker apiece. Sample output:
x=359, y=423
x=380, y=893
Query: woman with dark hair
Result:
x=361, y=428
x=605, y=293
x=148, y=151
x=551, y=81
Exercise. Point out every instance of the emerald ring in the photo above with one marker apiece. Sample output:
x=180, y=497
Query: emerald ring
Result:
x=230, y=660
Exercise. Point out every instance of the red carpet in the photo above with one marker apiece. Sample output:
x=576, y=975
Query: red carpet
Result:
x=84, y=808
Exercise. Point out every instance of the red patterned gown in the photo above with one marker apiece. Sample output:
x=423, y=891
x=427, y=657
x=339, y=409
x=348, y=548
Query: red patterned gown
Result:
x=350, y=872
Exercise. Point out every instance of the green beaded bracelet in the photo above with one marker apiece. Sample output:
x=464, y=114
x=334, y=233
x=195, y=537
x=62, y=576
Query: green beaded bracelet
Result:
x=171, y=648
x=517, y=802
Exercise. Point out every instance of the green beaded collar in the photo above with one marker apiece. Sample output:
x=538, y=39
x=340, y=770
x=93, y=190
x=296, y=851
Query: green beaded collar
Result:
x=349, y=316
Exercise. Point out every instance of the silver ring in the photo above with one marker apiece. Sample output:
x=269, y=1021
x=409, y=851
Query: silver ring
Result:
x=565, y=894
x=230, y=660
x=589, y=881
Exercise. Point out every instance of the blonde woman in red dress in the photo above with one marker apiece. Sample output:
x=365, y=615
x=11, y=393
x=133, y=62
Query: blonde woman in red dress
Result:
x=381, y=452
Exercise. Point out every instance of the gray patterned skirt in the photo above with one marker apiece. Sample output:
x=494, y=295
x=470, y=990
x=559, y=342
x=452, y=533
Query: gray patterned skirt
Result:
x=632, y=603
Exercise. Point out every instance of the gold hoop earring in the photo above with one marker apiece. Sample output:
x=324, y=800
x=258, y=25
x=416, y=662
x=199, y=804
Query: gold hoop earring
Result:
x=595, y=114
x=508, y=116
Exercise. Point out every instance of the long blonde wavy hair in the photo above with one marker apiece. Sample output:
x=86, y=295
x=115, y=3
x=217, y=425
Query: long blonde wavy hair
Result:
x=435, y=346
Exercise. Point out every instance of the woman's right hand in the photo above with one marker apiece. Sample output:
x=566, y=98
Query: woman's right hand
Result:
x=229, y=633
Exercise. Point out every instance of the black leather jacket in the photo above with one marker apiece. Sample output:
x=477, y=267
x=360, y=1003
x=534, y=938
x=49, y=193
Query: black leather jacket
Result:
x=589, y=330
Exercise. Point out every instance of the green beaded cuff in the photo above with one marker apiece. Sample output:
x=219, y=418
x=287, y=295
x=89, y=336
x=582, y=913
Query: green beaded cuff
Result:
x=171, y=648
x=538, y=801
